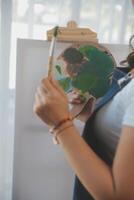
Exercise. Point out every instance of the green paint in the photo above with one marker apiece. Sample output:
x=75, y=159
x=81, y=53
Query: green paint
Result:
x=95, y=73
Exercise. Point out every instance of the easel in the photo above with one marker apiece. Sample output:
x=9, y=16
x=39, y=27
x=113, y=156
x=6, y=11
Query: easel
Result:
x=73, y=33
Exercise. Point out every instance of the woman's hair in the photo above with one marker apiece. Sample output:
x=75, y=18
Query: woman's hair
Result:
x=131, y=46
x=130, y=58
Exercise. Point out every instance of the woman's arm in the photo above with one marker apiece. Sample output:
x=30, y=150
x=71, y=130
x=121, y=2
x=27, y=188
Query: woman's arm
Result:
x=99, y=179
x=94, y=174
x=123, y=166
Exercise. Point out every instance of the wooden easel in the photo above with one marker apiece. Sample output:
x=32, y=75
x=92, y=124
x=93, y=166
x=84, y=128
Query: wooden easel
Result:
x=73, y=33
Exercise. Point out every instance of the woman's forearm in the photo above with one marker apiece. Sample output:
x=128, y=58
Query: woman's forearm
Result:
x=51, y=105
x=94, y=174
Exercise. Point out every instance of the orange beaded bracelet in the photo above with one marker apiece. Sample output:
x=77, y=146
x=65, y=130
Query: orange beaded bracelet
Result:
x=60, y=127
x=60, y=131
x=60, y=123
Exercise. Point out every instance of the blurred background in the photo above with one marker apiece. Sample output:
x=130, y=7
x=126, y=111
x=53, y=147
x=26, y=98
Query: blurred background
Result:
x=113, y=20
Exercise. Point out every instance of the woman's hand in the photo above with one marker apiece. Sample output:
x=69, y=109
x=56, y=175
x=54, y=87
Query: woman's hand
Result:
x=75, y=98
x=51, y=103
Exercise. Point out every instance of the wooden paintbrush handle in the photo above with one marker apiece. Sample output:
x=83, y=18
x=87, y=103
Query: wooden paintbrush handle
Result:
x=50, y=66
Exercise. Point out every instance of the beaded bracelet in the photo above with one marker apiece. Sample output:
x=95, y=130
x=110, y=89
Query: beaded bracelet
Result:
x=60, y=123
x=58, y=132
x=60, y=128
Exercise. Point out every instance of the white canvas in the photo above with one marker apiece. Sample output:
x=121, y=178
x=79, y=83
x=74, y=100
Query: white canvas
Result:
x=40, y=171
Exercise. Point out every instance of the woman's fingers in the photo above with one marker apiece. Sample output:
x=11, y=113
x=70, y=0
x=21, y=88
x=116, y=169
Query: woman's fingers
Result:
x=42, y=94
x=74, y=97
x=75, y=101
x=48, y=87
x=36, y=103
x=40, y=110
x=52, y=87
x=58, y=87
x=50, y=105
x=40, y=98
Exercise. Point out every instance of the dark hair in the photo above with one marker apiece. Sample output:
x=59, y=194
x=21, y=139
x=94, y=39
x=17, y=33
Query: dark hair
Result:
x=130, y=58
x=131, y=46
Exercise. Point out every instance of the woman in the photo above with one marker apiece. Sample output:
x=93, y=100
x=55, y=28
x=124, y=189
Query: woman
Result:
x=99, y=179
x=113, y=124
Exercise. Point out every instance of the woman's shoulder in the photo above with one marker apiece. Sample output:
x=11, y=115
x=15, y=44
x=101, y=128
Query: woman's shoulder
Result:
x=129, y=112
x=125, y=97
x=128, y=90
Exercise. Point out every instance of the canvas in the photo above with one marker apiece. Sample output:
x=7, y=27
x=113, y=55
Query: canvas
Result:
x=85, y=70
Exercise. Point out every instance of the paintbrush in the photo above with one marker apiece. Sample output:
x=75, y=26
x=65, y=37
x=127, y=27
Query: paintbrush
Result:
x=51, y=52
